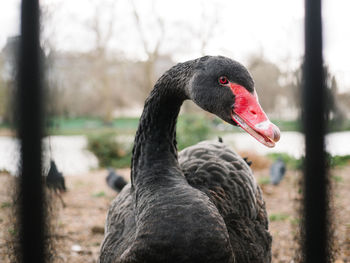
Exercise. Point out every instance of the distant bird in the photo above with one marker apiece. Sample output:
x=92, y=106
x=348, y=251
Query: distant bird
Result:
x=115, y=181
x=277, y=171
x=55, y=179
x=203, y=204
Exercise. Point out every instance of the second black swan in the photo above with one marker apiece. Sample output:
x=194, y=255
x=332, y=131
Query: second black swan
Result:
x=203, y=204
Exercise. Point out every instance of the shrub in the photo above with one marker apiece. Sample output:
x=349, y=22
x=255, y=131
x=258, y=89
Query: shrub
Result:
x=339, y=160
x=191, y=130
x=99, y=194
x=332, y=161
x=108, y=152
x=278, y=217
x=263, y=180
x=291, y=162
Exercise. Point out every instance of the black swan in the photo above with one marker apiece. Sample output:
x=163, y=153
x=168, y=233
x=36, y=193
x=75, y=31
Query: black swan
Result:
x=277, y=171
x=115, y=181
x=55, y=179
x=203, y=205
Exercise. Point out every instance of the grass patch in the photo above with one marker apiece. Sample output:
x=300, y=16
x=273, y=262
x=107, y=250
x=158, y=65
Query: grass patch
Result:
x=89, y=126
x=339, y=160
x=338, y=126
x=263, y=180
x=86, y=125
x=122, y=162
x=99, y=194
x=337, y=178
x=290, y=161
x=294, y=221
x=278, y=217
x=4, y=171
x=336, y=161
x=12, y=231
x=284, y=125
x=5, y=205
x=191, y=130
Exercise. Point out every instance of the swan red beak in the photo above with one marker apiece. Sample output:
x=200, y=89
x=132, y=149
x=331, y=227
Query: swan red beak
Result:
x=249, y=115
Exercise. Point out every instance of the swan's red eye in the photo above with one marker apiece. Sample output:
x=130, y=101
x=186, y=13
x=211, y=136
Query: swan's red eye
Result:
x=223, y=80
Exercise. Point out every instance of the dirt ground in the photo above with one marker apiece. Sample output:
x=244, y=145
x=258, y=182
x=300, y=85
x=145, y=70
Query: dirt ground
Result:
x=78, y=227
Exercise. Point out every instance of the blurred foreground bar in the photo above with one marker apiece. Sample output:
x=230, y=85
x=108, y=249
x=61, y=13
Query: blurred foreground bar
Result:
x=31, y=198
x=315, y=174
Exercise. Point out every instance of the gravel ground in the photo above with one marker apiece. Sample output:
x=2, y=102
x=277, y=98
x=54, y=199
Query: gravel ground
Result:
x=78, y=227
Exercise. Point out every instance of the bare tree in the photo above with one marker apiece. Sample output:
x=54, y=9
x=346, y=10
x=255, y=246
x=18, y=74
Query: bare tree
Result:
x=3, y=93
x=266, y=76
x=48, y=29
x=208, y=23
x=152, y=52
x=102, y=26
x=334, y=108
x=343, y=99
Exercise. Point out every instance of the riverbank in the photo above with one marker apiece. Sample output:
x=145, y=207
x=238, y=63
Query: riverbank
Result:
x=72, y=157
x=78, y=227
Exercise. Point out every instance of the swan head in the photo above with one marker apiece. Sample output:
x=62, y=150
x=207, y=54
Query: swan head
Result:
x=225, y=88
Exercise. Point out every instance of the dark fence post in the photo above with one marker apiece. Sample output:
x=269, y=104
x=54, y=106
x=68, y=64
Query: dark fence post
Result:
x=315, y=231
x=30, y=123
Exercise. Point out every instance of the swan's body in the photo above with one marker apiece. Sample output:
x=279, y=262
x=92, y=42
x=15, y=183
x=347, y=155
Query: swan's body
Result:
x=204, y=206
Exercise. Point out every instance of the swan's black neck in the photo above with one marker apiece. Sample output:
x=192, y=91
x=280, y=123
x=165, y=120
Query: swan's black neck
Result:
x=155, y=151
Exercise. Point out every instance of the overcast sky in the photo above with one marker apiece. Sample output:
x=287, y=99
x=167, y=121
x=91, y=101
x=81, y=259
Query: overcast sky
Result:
x=271, y=27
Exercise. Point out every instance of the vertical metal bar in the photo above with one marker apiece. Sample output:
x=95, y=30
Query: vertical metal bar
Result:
x=315, y=174
x=31, y=215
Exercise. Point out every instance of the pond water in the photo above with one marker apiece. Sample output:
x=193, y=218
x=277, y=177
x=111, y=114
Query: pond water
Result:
x=69, y=153
x=71, y=156
x=337, y=143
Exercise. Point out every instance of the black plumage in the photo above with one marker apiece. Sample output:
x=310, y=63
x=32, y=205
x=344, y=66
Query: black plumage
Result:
x=202, y=205
x=55, y=179
x=115, y=181
x=277, y=171
x=247, y=161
